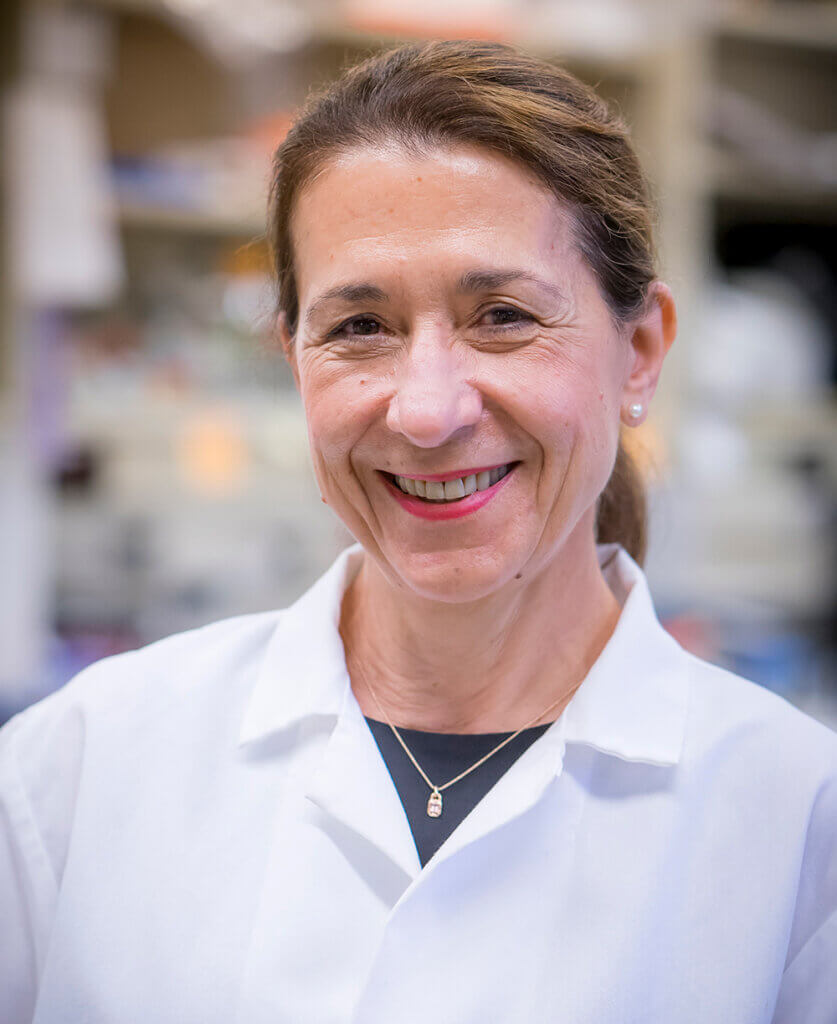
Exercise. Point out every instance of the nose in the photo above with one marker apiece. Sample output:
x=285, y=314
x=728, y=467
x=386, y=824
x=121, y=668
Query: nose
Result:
x=433, y=399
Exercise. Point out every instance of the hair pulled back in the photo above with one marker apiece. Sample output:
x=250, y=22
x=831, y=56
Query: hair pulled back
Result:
x=422, y=96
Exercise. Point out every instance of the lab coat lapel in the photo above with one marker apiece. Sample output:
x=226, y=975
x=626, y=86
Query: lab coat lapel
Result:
x=353, y=786
x=303, y=678
x=514, y=793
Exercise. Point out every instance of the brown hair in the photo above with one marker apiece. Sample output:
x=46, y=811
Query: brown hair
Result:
x=533, y=112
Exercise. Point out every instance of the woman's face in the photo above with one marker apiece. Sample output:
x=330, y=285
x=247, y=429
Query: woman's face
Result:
x=447, y=326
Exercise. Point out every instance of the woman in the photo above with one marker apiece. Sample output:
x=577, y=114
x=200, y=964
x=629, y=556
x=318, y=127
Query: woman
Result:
x=467, y=777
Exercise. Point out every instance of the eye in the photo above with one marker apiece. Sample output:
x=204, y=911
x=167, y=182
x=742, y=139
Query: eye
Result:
x=357, y=327
x=507, y=317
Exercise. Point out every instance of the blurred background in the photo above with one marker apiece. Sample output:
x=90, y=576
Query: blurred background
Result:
x=154, y=472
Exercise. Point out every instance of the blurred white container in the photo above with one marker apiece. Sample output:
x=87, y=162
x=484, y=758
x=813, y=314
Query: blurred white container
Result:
x=759, y=340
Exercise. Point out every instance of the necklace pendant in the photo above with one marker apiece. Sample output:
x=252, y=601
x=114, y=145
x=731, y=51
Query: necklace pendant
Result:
x=434, y=804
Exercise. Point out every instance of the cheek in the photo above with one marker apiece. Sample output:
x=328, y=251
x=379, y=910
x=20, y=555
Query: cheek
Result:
x=598, y=433
x=573, y=417
x=329, y=428
x=338, y=409
x=557, y=401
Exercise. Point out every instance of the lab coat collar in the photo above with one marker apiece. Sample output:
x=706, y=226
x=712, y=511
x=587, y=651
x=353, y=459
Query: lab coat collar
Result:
x=303, y=671
x=632, y=704
x=634, y=700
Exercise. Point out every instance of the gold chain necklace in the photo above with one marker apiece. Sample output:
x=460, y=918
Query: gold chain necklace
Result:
x=434, y=803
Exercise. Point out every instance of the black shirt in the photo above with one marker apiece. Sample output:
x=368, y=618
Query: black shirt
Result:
x=442, y=757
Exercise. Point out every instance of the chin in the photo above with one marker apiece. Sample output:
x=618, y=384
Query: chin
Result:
x=456, y=577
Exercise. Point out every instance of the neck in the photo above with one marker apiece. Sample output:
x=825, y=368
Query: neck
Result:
x=484, y=666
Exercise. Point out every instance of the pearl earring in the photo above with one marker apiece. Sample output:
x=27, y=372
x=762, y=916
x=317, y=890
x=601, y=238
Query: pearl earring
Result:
x=635, y=410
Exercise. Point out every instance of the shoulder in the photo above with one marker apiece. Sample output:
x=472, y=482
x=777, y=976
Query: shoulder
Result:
x=766, y=773
x=736, y=728
x=725, y=707
x=145, y=716
x=200, y=667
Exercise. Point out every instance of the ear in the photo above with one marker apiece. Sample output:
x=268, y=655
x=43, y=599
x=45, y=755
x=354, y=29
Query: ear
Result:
x=650, y=339
x=288, y=345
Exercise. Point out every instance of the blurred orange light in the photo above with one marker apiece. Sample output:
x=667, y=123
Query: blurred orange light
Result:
x=212, y=454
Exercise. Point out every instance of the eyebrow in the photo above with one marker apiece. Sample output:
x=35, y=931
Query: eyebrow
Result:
x=490, y=280
x=360, y=292
x=481, y=280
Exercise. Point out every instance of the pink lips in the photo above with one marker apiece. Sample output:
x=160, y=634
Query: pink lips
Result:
x=456, y=509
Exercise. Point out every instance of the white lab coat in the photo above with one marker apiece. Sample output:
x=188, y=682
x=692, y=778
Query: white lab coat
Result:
x=204, y=831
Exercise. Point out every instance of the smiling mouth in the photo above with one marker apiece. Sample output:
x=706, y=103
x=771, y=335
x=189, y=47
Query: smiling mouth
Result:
x=433, y=492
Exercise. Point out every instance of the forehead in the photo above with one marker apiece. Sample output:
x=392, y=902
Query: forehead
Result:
x=383, y=208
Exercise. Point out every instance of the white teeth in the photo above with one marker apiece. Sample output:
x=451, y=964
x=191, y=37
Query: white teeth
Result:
x=452, y=490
